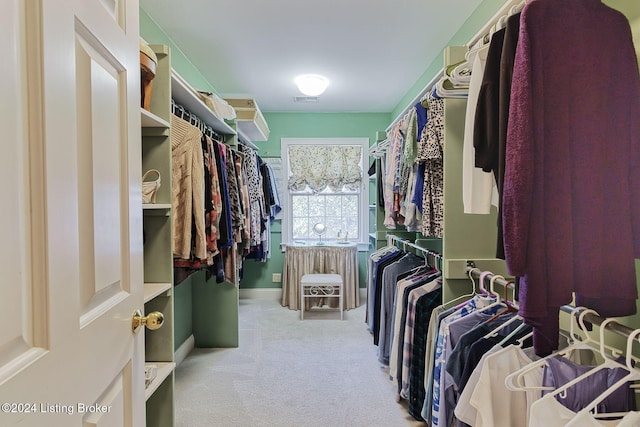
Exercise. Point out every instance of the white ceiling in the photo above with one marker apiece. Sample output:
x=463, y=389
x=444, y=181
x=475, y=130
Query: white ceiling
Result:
x=372, y=52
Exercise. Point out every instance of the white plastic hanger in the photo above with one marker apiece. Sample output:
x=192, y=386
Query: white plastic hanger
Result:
x=516, y=380
x=633, y=375
x=502, y=22
x=500, y=327
x=491, y=293
x=517, y=8
x=468, y=296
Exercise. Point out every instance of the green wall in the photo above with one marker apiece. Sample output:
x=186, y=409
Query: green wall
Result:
x=483, y=13
x=183, y=308
x=306, y=125
x=153, y=34
x=319, y=125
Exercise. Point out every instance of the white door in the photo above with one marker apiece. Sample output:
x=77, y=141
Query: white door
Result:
x=70, y=214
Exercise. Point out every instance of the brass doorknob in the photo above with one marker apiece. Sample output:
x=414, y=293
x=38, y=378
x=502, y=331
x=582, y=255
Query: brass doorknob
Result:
x=153, y=320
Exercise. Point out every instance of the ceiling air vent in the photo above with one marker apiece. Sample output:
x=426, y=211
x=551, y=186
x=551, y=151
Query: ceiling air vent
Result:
x=305, y=99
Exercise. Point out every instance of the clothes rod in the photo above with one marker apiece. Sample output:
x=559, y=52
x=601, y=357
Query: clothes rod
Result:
x=475, y=271
x=242, y=139
x=405, y=242
x=180, y=111
x=504, y=10
x=612, y=326
x=415, y=100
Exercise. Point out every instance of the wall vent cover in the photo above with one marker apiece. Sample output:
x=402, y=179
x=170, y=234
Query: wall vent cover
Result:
x=305, y=99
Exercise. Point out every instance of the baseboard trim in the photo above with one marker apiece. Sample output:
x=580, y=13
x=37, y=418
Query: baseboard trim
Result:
x=183, y=351
x=261, y=293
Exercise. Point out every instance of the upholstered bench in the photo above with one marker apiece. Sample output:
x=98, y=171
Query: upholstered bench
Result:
x=321, y=286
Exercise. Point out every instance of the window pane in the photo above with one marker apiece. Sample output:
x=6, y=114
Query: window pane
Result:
x=316, y=205
x=300, y=206
x=338, y=212
x=300, y=228
x=334, y=205
x=350, y=205
x=334, y=225
x=352, y=226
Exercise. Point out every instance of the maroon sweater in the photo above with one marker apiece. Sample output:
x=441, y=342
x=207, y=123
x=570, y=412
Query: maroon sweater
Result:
x=571, y=198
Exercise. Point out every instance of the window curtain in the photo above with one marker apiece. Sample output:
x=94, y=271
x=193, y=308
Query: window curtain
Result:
x=317, y=167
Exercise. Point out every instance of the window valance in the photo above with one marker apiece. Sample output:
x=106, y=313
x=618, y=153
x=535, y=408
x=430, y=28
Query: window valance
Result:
x=317, y=167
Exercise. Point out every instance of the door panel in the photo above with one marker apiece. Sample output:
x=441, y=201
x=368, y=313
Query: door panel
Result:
x=17, y=345
x=101, y=163
x=72, y=271
x=109, y=410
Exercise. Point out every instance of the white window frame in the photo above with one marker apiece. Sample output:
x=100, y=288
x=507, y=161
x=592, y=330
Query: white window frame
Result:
x=363, y=209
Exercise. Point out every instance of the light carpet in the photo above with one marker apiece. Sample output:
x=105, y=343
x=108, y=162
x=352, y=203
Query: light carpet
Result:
x=319, y=372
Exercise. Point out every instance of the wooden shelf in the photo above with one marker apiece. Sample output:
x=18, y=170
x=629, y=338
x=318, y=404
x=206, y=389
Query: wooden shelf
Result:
x=152, y=290
x=249, y=118
x=150, y=120
x=185, y=95
x=156, y=209
x=164, y=370
x=156, y=206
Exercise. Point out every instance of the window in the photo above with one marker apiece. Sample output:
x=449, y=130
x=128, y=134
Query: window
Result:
x=325, y=185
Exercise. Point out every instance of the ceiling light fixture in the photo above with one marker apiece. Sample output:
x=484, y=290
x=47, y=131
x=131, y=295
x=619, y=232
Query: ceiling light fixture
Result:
x=311, y=84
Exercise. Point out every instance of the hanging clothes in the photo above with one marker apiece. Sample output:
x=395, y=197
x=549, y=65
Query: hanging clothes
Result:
x=213, y=199
x=443, y=398
x=392, y=164
x=492, y=112
x=273, y=198
x=187, y=190
x=210, y=198
x=423, y=281
x=430, y=153
x=235, y=201
x=224, y=230
x=254, y=185
x=572, y=136
x=478, y=192
x=390, y=275
x=421, y=305
x=375, y=260
x=490, y=403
